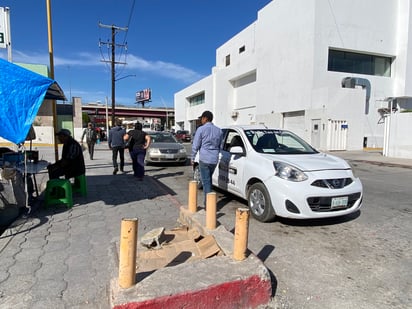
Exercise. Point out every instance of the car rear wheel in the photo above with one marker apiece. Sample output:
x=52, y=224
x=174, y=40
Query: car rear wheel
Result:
x=196, y=176
x=259, y=203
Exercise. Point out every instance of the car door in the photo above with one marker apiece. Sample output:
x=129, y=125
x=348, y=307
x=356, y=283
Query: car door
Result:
x=229, y=172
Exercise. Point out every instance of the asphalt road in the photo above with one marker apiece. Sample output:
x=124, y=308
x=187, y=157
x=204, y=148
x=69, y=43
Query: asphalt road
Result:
x=360, y=261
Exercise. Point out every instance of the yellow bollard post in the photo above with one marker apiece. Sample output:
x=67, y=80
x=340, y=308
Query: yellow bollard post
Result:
x=127, y=257
x=241, y=234
x=192, y=196
x=211, y=210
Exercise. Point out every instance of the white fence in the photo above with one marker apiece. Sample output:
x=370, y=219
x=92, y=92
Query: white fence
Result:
x=397, y=138
x=337, y=135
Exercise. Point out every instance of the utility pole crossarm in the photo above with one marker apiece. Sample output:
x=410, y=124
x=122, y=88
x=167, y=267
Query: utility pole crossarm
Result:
x=113, y=27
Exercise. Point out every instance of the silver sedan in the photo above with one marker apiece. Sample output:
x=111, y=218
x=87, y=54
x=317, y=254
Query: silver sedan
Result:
x=164, y=148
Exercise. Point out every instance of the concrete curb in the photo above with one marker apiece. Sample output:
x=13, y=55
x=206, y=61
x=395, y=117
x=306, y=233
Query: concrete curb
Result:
x=217, y=282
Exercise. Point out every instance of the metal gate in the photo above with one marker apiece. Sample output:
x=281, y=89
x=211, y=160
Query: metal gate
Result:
x=337, y=134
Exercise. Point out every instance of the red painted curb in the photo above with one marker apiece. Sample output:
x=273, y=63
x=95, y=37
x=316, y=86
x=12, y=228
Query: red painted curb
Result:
x=249, y=293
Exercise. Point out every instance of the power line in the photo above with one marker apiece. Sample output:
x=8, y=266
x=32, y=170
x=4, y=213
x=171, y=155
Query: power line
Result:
x=128, y=21
x=127, y=32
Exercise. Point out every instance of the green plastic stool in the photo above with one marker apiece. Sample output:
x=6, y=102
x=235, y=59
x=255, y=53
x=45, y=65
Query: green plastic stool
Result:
x=80, y=185
x=59, y=191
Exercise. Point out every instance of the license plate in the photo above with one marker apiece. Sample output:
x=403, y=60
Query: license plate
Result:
x=170, y=156
x=339, y=202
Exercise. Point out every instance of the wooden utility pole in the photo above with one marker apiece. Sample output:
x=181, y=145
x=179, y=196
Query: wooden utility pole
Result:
x=113, y=64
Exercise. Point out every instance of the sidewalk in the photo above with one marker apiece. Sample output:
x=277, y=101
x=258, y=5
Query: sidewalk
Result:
x=374, y=157
x=59, y=257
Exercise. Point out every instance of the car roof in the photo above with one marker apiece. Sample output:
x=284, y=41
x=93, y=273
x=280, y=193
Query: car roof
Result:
x=164, y=133
x=251, y=127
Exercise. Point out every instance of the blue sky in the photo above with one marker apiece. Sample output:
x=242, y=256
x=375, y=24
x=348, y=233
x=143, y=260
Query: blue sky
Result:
x=170, y=44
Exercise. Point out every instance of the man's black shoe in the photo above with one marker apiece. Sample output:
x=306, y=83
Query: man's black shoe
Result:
x=115, y=171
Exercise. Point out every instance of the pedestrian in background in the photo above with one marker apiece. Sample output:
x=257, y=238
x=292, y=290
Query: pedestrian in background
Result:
x=207, y=142
x=138, y=141
x=91, y=138
x=116, y=144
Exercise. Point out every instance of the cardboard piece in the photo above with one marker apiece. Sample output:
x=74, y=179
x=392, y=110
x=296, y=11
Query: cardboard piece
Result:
x=177, y=246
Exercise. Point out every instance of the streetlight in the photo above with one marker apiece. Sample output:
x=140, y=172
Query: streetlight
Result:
x=167, y=114
x=123, y=77
x=107, y=121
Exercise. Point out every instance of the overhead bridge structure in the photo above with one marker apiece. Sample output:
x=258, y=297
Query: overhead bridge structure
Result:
x=163, y=116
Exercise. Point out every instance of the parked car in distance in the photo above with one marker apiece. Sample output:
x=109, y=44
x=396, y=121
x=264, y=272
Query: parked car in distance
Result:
x=183, y=136
x=279, y=174
x=164, y=148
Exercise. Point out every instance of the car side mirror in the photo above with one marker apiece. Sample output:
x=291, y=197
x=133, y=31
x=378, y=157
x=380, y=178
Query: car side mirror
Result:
x=237, y=150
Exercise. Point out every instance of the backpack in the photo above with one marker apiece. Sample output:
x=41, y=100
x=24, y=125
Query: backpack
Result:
x=91, y=135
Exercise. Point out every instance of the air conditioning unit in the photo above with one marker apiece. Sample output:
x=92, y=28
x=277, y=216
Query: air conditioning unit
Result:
x=235, y=114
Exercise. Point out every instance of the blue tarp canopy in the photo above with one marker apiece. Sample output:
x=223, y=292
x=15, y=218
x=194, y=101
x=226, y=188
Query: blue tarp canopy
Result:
x=21, y=94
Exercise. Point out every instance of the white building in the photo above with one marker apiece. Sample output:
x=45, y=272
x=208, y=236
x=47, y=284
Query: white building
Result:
x=329, y=70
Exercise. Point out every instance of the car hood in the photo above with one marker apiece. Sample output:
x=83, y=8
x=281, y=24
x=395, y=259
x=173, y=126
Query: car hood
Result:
x=311, y=162
x=166, y=145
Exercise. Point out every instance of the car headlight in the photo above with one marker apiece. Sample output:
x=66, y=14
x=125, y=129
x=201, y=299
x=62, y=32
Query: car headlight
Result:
x=182, y=150
x=289, y=172
x=353, y=167
x=153, y=151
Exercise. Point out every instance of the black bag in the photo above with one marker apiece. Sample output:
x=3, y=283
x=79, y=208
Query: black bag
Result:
x=91, y=135
x=129, y=144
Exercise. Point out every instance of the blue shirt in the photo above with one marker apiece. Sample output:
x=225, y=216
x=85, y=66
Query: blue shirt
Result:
x=207, y=142
x=116, y=137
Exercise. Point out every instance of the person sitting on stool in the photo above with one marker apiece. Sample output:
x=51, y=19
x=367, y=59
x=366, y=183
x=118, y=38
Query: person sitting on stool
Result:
x=72, y=162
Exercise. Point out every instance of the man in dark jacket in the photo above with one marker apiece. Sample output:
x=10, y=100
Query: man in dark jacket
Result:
x=116, y=144
x=72, y=162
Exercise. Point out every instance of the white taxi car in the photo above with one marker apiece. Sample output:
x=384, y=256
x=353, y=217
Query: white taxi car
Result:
x=279, y=174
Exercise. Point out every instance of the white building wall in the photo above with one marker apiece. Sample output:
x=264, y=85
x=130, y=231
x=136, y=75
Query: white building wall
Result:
x=186, y=113
x=403, y=61
x=360, y=26
x=235, y=90
x=399, y=141
x=285, y=56
x=286, y=52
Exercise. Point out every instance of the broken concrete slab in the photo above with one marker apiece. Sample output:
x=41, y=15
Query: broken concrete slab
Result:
x=217, y=281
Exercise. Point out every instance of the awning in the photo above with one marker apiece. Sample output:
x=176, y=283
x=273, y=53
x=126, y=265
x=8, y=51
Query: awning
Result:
x=21, y=94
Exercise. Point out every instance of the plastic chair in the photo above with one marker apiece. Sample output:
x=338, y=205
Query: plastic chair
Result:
x=59, y=191
x=80, y=185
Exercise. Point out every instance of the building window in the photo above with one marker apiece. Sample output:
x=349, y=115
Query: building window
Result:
x=244, y=79
x=242, y=49
x=227, y=60
x=197, y=99
x=350, y=62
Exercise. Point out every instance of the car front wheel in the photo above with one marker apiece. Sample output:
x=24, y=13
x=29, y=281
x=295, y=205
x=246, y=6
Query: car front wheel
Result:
x=259, y=203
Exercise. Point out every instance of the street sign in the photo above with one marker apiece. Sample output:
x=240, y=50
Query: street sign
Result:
x=3, y=23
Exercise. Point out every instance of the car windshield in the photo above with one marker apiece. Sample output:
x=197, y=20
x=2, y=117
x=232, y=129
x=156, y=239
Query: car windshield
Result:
x=278, y=142
x=162, y=138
